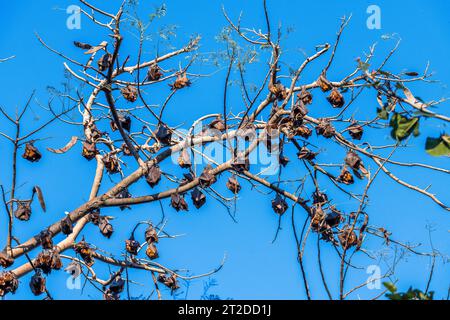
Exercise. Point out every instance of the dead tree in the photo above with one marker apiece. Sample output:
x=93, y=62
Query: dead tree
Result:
x=275, y=115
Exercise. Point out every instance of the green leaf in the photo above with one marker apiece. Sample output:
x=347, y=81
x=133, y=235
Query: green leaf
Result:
x=416, y=130
x=403, y=127
x=394, y=296
x=438, y=146
x=390, y=286
x=382, y=113
x=411, y=294
x=422, y=296
x=363, y=65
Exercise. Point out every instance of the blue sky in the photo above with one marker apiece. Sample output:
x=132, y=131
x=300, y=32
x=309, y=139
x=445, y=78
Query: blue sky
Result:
x=255, y=268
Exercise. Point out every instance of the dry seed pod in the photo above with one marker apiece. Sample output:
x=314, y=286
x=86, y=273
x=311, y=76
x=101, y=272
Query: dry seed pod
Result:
x=198, y=198
x=8, y=283
x=66, y=148
x=125, y=150
x=328, y=236
x=153, y=176
x=94, y=217
x=129, y=93
x=124, y=120
x=152, y=251
x=325, y=128
x=345, y=177
x=184, y=160
x=151, y=235
x=333, y=218
x=108, y=295
x=48, y=260
x=279, y=205
x=412, y=74
x=306, y=154
x=105, y=227
x=386, y=235
x=124, y=194
x=353, y=160
x=318, y=219
x=356, y=131
x=178, y=203
x=217, y=124
x=181, y=82
x=207, y=178
x=105, y=62
x=117, y=285
x=169, y=281
x=284, y=124
x=85, y=251
x=45, y=238
x=298, y=112
x=271, y=139
x=239, y=164
x=132, y=246
x=278, y=90
x=154, y=73
x=347, y=237
x=305, y=97
x=323, y=83
x=336, y=99
x=56, y=261
x=318, y=224
x=89, y=150
x=233, y=185
x=37, y=190
x=303, y=131
x=82, y=45
x=37, y=283
x=5, y=260
x=23, y=211
x=319, y=197
x=111, y=163
x=92, y=132
x=66, y=225
x=31, y=153
x=163, y=134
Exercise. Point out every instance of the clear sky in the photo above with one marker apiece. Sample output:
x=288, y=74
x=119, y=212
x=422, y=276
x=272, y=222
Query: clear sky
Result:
x=255, y=267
